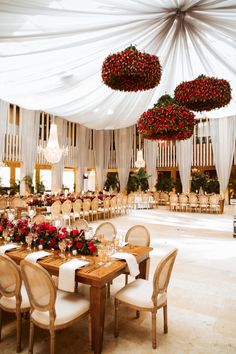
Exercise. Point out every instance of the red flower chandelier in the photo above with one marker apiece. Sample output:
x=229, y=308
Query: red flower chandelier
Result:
x=203, y=93
x=131, y=70
x=166, y=121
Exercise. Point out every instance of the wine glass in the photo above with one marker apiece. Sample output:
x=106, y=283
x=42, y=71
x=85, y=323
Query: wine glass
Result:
x=29, y=240
x=31, y=215
x=34, y=239
x=101, y=254
x=62, y=246
x=5, y=236
x=69, y=245
x=11, y=216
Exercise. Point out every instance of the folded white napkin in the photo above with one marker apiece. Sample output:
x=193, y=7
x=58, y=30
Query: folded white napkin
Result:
x=33, y=257
x=66, y=280
x=8, y=247
x=131, y=262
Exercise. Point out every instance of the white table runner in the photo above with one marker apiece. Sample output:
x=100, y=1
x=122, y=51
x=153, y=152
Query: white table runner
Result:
x=8, y=247
x=131, y=262
x=66, y=280
x=35, y=256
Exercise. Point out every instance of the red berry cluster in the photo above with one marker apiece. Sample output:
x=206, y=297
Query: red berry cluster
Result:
x=170, y=122
x=203, y=93
x=131, y=70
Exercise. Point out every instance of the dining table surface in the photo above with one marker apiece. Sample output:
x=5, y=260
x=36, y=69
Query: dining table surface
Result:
x=94, y=274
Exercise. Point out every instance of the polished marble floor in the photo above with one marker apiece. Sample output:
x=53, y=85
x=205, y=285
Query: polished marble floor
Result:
x=202, y=292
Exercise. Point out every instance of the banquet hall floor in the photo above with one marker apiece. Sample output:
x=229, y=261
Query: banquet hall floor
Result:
x=202, y=292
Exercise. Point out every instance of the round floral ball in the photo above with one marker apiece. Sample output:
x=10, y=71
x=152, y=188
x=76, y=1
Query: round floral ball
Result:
x=204, y=93
x=131, y=70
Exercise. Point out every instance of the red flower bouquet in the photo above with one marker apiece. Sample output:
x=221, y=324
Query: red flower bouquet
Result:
x=166, y=121
x=131, y=70
x=20, y=230
x=203, y=93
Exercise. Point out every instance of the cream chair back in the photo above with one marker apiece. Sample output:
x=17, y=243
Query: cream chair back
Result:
x=56, y=209
x=38, y=219
x=138, y=235
x=107, y=229
x=3, y=203
x=94, y=204
x=80, y=224
x=66, y=207
x=162, y=275
x=10, y=278
x=40, y=287
x=77, y=205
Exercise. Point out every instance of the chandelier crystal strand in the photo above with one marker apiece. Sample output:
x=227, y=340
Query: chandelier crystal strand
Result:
x=52, y=152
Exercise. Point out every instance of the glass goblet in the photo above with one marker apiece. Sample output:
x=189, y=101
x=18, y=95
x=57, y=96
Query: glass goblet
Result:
x=34, y=239
x=29, y=240
x=62, y=246
x=69, y=245
x=5, y=236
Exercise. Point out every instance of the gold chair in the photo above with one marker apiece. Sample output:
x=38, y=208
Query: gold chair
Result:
x=13, y=296
x=56, y=210
x=174, y=202
x=105, y=209
x=51, y=309
x=148, y=295
x=3, y=205
x=86, y=208
x=66, y=208
x=77, y=206
x=107, y=229
x=113, y=207
x=214, y=203
x=140, y=236
x=193, y=202
x=94, y=208
x=38, y=219
x=203, y=202
x=183, y=202
x=80, y=224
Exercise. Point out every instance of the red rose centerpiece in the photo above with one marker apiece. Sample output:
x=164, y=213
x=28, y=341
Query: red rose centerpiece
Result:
x=166, y=121
x=131, y=70
x=20, y=230
x=203, y=93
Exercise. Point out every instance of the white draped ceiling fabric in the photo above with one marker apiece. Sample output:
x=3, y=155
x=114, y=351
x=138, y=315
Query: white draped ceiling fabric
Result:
x=51, y=53
x=184, y=160
x=82, y=136
x=58, y=168
x=150, y=156
x=3, y=126
x=29, y=133
x=223, y=134
x=101, y=149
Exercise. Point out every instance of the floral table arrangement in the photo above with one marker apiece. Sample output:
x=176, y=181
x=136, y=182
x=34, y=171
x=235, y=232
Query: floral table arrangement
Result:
x=167, y=120
x=204, y=93
x=131, y=70
x=48, y=236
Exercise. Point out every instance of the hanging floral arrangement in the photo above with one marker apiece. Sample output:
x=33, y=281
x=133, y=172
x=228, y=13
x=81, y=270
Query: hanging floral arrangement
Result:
x=204, y=93
x=131, y=70
x=166, y=121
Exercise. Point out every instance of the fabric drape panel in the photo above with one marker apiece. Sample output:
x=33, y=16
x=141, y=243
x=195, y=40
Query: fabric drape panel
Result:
x=3, y=126
x=57, y=67
x=58, y=168
x=150, y=157
x=29, y=132
x=223, y=134
x=101, y=149
x=184, y=160
x=82, y=154
x=123, y=144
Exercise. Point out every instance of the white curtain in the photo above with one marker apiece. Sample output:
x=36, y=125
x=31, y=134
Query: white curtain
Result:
x=58, y=168
x=29, y=133
x=184, y=160
x=3, y=126
x=150, y=157
x=56, y=67
x=82, y=154
x=123, y=144
x=101, y=149
x=223, y=134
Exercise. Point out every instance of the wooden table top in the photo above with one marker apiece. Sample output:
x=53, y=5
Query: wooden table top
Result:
x=92, y=274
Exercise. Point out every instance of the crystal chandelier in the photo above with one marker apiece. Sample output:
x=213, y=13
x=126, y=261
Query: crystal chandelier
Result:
x=140, y=161
x=52, y=152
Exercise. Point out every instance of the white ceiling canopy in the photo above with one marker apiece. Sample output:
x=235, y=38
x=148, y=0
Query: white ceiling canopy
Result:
x=51, y=52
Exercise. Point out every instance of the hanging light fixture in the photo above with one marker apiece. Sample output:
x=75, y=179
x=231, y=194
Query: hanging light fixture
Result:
x=140, y=161
x=52, y=152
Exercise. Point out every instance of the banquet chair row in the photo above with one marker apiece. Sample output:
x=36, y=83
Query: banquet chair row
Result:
x=193, y=202
x=53, y=309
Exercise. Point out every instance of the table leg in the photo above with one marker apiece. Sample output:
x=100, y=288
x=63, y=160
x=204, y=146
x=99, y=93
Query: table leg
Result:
x=97, y=306
x=144, y=268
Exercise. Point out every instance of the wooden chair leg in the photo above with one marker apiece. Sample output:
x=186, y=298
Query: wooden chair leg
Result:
x=18, y=332
x=154, y=330
x=1, y=316
x=52, y=341
x=31, y=337
x=116, y=332
x=126, y=279
x=165, y=319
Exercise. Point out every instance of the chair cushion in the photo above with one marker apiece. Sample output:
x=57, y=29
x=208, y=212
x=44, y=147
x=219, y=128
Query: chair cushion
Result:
x=68, y=307
x=10, y=302
x=139, y=293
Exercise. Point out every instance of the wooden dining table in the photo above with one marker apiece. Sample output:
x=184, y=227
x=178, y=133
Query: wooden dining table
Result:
x=97, y=276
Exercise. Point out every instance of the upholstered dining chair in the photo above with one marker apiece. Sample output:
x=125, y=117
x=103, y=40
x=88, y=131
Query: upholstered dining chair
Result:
x=13, y=296
x=107, y=229
x=140, y=236
x=148, y=295
x=66, y=208
x=51, y=309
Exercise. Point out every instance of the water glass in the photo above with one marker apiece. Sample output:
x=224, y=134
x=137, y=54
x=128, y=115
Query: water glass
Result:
x=62, y=246
x=29, y=240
